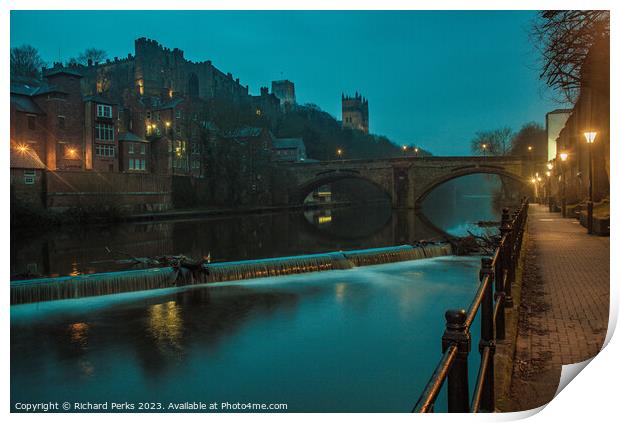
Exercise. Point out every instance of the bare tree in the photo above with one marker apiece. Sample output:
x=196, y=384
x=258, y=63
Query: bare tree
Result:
x=494, y=143
x=93, y=54
x=564, y=38
x=26, y=61
x=530, y=135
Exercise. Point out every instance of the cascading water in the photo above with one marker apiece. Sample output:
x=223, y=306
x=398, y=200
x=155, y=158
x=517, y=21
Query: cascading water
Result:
x=48, y=289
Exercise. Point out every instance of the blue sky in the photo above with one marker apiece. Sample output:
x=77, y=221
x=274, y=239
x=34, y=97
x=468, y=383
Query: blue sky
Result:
x=431, y=78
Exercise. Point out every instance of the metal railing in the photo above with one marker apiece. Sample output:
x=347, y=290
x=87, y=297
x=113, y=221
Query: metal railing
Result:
x=493, y=296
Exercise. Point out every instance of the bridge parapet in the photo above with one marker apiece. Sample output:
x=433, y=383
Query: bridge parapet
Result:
x=407, y=180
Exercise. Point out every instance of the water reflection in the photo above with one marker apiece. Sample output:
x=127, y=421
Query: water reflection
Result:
x=454, y=207
x=351, y=340
x=460, y=205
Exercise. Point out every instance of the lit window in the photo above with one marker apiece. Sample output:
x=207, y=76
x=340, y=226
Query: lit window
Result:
x=131, y=164
x=142, y=149
x=104, y=110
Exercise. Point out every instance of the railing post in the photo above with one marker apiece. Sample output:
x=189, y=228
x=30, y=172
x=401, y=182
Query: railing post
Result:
x=487, y=337
x=508, y=230
x=457, y=334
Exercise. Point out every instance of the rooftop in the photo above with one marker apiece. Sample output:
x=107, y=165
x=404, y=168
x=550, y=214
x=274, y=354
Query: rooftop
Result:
x=27, y=159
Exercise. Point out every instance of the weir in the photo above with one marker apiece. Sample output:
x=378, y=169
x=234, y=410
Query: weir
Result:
x=67, y=287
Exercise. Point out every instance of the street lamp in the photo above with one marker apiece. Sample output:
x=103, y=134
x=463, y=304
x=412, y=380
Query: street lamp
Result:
x=563, y=158
x=484, y=149
x=404, y=150
x=590, y=137
x=416, y=150
x=339, y=153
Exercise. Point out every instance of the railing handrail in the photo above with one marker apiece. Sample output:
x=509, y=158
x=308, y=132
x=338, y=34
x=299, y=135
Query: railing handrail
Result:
x=456, y=341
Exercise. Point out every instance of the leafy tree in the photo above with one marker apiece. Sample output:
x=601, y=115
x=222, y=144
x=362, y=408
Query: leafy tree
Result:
x=93, y=54
x=530, y=135
x=26, y=62
x=564, y=38
x=495, y=142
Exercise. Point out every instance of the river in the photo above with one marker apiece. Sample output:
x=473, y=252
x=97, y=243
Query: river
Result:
x=363, y=339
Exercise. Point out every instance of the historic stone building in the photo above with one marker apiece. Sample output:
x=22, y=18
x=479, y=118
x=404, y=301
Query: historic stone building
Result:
x=285, y=91
x=355, y=112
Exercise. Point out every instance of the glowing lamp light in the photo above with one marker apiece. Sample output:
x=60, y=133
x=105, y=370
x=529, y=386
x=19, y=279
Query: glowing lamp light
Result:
x=549, y=166
x=484, y=146
x=167, y=124
x=590, y=136
x=416, y=149
x=404, y=148
x=548, y=173
x=533, y=180
x=22, y=148
x=563, y=156
x=539, y=179
x=339, y=152
x=529, y=148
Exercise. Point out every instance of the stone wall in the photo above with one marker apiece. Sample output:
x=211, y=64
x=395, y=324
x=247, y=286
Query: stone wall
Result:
x=122, y=191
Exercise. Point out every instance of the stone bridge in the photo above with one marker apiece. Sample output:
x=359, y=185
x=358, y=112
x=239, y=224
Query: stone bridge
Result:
x=407, y=180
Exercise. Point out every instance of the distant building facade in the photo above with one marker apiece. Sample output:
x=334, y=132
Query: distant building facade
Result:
x=289, y=150
x=554, y=123
x=149, y=113
x=355, y=112
x=284, y=90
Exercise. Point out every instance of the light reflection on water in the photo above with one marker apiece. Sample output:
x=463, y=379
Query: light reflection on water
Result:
x=364, y=339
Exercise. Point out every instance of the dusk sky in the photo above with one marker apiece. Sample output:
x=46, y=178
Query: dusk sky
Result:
x=431, y=78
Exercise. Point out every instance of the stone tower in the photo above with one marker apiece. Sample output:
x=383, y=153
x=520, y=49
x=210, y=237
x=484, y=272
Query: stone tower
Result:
x=355, y=112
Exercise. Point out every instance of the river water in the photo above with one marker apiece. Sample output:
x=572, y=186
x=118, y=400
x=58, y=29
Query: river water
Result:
x=364, y=339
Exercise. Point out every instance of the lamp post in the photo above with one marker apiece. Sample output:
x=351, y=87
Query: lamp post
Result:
x=404, y=150
x=563, y=157
x=550, y=167
x=416, y=150
x=590, y=137
x=484, y=149
x=339, y=153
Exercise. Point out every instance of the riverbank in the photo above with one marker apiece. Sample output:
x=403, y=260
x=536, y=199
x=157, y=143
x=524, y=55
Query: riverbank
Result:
x=227, y=211
x=564, y=308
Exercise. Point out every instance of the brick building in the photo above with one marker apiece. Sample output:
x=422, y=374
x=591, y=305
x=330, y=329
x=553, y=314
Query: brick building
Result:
x=149, y=113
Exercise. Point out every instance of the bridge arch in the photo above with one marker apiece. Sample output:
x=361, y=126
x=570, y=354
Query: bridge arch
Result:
x=464, y=171
x=328, y=177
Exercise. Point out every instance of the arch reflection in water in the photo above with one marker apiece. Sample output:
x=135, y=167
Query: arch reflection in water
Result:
x=459, y=205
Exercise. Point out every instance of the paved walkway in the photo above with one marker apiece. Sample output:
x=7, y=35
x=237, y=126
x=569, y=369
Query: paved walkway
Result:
x=564, y=304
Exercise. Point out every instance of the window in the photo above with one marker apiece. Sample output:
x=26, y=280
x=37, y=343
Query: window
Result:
x=104, y=131
x=137, y=164
x=103, y=150
x=104, y=110
x=130, y=148
x=32, y=122
x=29, y=177
x=178, y=114
x=61, y=122
x=142, y=149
